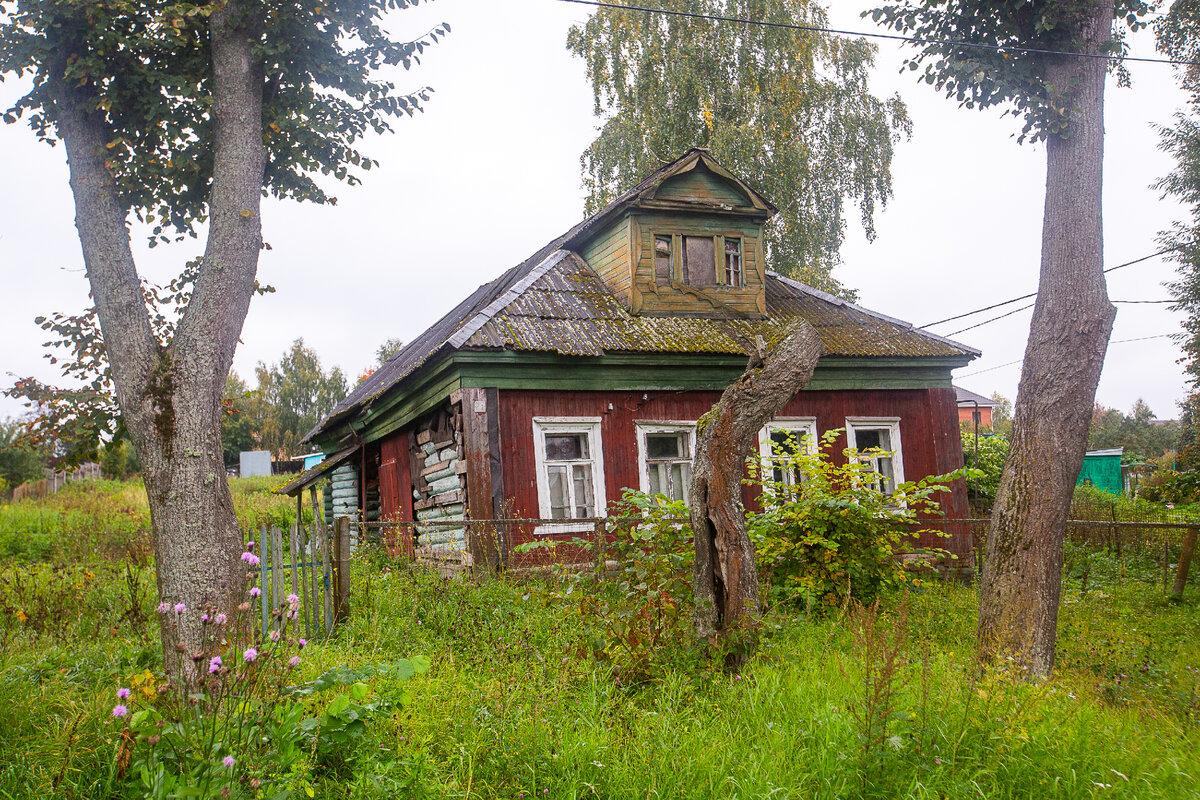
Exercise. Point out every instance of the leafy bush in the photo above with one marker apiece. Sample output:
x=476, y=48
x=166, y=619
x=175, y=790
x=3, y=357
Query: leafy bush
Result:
x=993, y=450
x=1170, y=486
x=640, y=615
x=834, y=534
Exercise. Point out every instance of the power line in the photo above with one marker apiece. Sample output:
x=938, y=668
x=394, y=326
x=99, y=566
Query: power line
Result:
x=1019, y=360
x=1034, y=294
x=998, y=48
x=993, y=319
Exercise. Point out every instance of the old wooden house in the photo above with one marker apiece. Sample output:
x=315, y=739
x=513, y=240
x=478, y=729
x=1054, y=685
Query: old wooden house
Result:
x=583, y=370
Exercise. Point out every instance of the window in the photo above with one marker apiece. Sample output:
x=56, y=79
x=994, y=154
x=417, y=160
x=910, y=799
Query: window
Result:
x=665, y=452
x=663, y=265
x=798, y=433
x=733, y=262
x=699, y=261
x=878, y=444
x=570, y=469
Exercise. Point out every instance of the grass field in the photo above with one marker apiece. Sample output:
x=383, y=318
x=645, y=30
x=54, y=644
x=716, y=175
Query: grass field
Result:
x=517, y=706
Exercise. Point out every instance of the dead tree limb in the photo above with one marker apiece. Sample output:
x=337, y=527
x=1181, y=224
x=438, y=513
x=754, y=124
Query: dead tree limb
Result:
x=726, y=581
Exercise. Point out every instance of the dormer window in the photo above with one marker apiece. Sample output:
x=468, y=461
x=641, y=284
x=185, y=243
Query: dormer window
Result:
x=733, y=262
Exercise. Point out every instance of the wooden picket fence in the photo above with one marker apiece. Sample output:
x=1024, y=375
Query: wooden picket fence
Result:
x=309, y=564
x=55, y=481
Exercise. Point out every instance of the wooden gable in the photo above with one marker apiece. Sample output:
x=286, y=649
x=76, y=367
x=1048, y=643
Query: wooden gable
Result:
x=688, y=243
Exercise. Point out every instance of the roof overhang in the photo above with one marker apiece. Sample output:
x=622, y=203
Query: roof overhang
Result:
x=311, y=476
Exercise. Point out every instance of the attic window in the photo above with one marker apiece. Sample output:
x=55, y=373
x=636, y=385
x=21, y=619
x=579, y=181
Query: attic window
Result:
x=733, y=262
x=662, y=259
x=699, y=261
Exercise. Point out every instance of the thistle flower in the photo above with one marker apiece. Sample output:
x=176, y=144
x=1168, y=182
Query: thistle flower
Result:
x=250, y=545
x=294, y=662
x=220, y=619
x=250, y=654
x=293, y=600
x=255, y=592
x=228, y=761
x=119, y=711
x=250, y=559
x=164, y=607
x=122, y=693
x=180, y=608
x=303, y=642
x=274, y=636
x=214, y=664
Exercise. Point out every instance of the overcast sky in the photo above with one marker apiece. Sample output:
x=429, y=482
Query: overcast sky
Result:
x=490, y=172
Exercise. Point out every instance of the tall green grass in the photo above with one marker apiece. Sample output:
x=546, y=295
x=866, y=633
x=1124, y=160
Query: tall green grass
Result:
x=513, y=708
x=95, y=519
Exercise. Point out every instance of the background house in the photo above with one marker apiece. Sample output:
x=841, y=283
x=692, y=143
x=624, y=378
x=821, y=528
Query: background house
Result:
x=583, y=370
x=971, y=405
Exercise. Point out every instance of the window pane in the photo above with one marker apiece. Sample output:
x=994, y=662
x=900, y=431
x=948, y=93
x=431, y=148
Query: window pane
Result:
x=869, y=438
x=662, y=259
x=681, y=479
x=666, y=445
x=699, y=261
x=656, y=472
x=566, y=446
x=883, y=465
x=582, y=474
x=733, y=262
x=560, y=504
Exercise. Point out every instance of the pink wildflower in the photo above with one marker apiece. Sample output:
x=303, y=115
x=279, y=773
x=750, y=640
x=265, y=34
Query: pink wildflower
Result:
x=164, y=607
x=122, y=693
x=250, y=545
x=274, y=636
x=250, y=654
x=180, y=608
x=214, y=664
x=220, y=619
x=255, y=592
x=292, y=599
x=294, y=662
x=119, y=711
x=228, y=761
x=303, y=642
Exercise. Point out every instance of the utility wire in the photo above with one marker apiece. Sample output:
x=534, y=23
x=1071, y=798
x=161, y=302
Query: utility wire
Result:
x=1019, y=360
x=1034, y=294
x=999, y=48
x=987, y=321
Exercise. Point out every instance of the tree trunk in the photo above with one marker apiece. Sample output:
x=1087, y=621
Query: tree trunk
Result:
x=726, y=580
x=170, y=397
x=1072, y=320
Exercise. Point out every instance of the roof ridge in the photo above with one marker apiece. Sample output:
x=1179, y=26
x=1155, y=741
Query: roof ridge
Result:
x=481, y=317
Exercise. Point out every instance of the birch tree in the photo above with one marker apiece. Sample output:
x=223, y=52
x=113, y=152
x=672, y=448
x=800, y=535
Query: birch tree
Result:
x=176, y=114
x=789, y=111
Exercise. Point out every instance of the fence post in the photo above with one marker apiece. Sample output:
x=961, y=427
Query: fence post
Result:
x=264, y=566
x=1185, y=563
x=341, y=552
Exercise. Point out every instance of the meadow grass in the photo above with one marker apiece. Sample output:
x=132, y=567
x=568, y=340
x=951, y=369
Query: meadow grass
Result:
x=517, y=706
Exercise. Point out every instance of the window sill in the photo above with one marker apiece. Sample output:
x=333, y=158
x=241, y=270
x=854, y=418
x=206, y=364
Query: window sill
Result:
x=566, y=526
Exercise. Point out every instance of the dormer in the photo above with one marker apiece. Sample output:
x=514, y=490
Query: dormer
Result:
x=685, y=242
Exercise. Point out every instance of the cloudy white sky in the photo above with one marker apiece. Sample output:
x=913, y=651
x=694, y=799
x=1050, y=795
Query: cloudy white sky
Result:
x=490, y=172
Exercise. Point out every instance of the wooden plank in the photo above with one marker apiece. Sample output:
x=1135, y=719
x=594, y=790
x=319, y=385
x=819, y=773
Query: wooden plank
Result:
x=444, y=499
x=456, y=397
x=424, y=437
x=278, y=571
x=264, y=562
x=293, y=551
x=438, y=467
x=477, y=453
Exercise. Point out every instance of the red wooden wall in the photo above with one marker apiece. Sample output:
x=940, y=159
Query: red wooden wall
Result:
x=930, y=441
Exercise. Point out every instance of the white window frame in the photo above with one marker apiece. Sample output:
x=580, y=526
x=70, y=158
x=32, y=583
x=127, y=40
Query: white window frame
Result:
x=590, y=426
x=660, y=426
x=804, y=425
x=890, y=424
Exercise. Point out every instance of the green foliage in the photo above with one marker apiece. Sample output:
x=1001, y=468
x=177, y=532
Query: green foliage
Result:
x=1142, y=438
x=790, y=111
x=1174, y=487
x=1004, y=76
x=385, y=351
x=146, y=69
x=511, y=708
x=640, y=617
x=19, y=461
x=292, y=396
x=992, y=451
x=833, y=535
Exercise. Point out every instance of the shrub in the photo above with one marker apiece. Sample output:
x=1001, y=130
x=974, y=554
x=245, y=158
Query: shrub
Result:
x=1170, y=486
x=993, y=450
x=833, y=534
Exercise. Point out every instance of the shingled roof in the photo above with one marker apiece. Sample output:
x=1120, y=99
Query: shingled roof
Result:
x=558, y=304
x=554, y=302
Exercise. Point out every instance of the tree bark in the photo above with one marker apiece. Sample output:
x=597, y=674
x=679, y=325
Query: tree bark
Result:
x=725, y=579
x=1072, y=320
x=170, y=397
